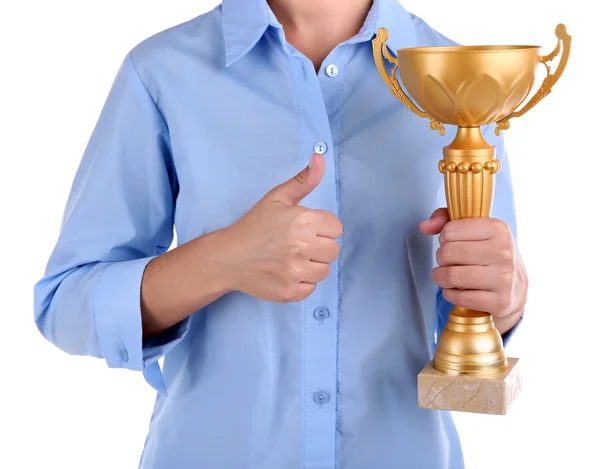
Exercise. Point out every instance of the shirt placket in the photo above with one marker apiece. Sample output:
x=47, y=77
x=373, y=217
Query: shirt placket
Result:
x=319, y=101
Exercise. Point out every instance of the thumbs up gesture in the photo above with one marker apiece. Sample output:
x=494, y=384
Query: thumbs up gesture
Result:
x=280, y=249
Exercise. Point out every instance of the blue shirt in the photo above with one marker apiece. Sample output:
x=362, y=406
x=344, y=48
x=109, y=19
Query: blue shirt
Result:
x=202, y=120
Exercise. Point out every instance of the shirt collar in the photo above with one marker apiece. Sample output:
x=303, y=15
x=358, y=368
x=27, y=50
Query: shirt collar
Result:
x=245, y=21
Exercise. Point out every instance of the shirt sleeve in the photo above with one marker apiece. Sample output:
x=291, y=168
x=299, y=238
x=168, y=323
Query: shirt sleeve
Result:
x=118, y=217
x=503, y=208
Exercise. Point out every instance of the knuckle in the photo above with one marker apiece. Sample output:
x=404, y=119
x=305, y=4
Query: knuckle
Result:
x=445, y=254
x=449, y=231
x=339, y=228
x=508, y=279
x=293, y=271
x=301, y=177
x=301, y=249
x=506, y=276
x=289, y=259
x=325, y=270
x=332, y=252
x=503, y=303
x=303, y=219
x=454, y=275
x=305, y=292
x=468, y=300
x=451, y=295
x=500, y=226
x=297, y=247
x=335, y=251
x=301, y=291
x=459, y=297
x=463, y=298
x=507, y=255
x=440, y=277
x=332, y=222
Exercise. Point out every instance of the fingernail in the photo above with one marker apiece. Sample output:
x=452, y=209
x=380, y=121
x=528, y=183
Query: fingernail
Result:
x=310, y=165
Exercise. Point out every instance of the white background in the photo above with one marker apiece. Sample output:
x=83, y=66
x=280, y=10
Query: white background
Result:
x=58, y=61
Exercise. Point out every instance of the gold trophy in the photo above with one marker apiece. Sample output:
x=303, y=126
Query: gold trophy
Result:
x=468, y=87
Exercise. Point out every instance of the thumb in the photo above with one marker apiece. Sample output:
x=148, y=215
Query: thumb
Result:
x=436, y=222
x=302, y=184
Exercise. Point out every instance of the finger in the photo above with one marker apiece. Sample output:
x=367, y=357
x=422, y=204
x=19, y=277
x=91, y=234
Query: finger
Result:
x=300, y=291
x=477, y=300
x=328, y=225
x=473, y=229
x=316, y=272
x=325, y=250
x=468, y=253
x=472, y=277
x=436, y=222
x=305, y=289
x=302, y=184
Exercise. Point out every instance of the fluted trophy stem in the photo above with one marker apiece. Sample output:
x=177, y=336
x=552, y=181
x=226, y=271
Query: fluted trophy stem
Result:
x=468, y=167
x=470, y=343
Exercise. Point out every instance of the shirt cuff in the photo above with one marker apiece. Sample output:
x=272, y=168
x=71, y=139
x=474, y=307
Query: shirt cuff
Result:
x=158, y=347
x=118, y=321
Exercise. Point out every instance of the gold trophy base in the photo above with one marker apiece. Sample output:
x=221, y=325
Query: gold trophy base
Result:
x=491, y=394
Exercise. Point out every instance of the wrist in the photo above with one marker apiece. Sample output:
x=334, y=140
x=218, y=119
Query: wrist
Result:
x=223, y=247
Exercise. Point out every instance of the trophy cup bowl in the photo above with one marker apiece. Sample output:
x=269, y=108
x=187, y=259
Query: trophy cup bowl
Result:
x=469, y=87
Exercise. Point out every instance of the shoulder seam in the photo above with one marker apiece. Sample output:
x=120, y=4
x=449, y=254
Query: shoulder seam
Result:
x=130, y=59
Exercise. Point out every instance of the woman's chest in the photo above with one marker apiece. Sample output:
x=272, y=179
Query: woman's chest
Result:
x=231, y=146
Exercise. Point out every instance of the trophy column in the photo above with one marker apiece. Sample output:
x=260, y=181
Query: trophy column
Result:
x=470, y=344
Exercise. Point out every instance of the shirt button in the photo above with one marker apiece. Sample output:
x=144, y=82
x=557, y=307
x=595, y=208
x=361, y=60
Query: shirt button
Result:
x=332, y=70
x=320, y=148
x=321, y=313
x=321, y=397
x=124, y=356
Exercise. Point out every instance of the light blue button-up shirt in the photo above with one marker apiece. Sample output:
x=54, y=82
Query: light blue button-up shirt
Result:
x=202, y=120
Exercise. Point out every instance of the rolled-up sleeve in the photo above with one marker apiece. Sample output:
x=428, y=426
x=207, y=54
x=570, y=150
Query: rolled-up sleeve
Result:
x=118, y=217
x=503, y=208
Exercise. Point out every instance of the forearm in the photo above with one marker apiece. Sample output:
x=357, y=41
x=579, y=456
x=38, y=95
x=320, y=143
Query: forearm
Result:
x=184, y=280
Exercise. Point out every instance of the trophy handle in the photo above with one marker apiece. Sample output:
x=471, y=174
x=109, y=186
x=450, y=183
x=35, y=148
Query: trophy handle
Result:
x=564, y=40
x=380, y=50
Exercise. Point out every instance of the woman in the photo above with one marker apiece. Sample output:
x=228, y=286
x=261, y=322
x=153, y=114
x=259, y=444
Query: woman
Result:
x=298, y=306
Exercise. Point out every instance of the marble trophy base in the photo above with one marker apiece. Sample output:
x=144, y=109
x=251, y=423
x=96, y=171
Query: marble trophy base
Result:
x=479, y=394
